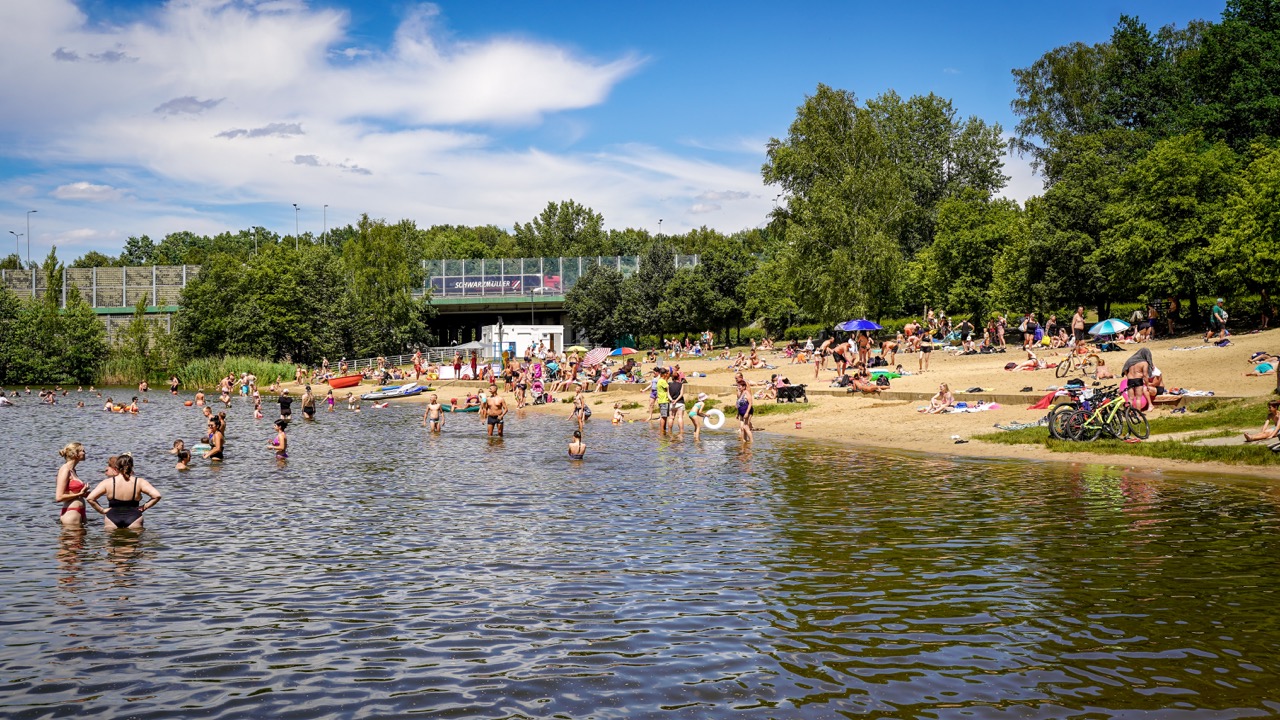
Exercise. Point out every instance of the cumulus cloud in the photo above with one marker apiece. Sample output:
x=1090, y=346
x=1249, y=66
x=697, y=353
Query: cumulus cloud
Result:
x=186, y=105
x=88, y=192
x=413, y=127
x=272, y=130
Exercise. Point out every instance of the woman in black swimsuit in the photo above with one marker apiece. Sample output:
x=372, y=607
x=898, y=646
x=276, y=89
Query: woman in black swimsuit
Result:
x=217, y=438
x=124, y=490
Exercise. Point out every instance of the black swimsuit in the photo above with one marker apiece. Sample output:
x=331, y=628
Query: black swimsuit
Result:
x=124, y=513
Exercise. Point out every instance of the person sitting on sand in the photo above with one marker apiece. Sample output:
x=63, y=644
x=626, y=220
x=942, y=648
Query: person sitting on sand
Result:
x=862, y=380
x=940, y=401
x=1270, y=427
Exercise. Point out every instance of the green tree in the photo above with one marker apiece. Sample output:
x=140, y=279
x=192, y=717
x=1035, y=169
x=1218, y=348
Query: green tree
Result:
x=382, y=271
x=1235, y=75
x=594, y=305
x=84, y=339
x=52, y=278
x=93, y=259
x=846, y=202
x=1166, y=208
x=957, y=269
x=1246, y=249
x=769, y=298
x=11, y=262
x=135, y=339
x=564, y=229
x=138, y=251
x=642, y=293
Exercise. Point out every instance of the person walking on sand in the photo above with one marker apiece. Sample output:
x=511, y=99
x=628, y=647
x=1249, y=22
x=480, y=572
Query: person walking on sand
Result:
x=495, y=411
x=1217, y=321
x=926, y=349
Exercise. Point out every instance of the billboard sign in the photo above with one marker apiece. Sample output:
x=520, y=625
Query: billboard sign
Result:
x=454, y=285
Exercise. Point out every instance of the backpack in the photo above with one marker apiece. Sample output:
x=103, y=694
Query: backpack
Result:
x=882, y=380
x=877, y=361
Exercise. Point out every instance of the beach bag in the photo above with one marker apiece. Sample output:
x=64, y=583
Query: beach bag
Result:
x=882, y=380
x=878, y=361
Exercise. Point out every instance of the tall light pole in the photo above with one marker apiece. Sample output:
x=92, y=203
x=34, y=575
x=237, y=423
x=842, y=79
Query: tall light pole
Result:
x=295, y=226
x=325, y=234
x=659, y=226
x=17, y=238
x=29, y=236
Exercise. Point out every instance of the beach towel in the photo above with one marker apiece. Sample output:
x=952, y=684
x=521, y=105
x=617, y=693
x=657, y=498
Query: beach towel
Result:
x=1045, y=402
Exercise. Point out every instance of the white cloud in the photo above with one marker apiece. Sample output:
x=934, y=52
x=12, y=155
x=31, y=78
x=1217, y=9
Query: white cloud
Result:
x=209, y=112
x=87, y=191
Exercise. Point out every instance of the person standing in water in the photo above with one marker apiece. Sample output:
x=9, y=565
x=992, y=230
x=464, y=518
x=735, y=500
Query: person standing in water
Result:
x=308, y=404
x=70, y=491
x=434, y=414
x=746, y=409
x=286, y=405
x=125, y=491
x=173, y=384
x=216, y=439
x=577, y=448
x=280, y=443
x=495, y=411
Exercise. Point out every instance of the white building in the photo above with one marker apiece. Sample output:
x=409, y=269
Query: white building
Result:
x=514, y=339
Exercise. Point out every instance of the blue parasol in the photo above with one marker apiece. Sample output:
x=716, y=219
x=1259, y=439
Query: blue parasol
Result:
x=1114, y=326
x=859, y=324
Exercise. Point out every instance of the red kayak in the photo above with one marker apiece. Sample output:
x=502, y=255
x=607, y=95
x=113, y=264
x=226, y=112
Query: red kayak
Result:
x=345, y=381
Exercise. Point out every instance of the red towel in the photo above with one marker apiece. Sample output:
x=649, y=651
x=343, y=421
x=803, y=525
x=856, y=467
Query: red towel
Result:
x=1045, y=401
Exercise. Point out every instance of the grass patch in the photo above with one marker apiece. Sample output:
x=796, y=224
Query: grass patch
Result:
x=1256, y=454
x=631, y=406
x=780, y=408
x=1220, y=419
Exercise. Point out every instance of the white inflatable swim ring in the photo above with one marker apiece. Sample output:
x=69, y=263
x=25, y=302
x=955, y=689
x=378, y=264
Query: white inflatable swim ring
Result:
x=714, y=419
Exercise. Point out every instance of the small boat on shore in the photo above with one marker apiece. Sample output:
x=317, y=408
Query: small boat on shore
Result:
x=468, y=408
x=345, y=381
x=395, y=391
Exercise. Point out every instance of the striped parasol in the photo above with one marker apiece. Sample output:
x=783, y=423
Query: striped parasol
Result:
x=596, y=356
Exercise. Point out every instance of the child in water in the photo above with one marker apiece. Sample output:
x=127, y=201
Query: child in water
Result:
x=184, y=459
x=434, y=414
x=617, y=413
x=328, y=400
x=257, y=408
x=577, y=448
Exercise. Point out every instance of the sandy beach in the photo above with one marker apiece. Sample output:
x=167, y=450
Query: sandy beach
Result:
x=893, y=422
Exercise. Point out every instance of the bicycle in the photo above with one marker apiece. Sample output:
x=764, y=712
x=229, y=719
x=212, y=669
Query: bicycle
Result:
x=1116, y=417
x=1080, y=360
x=1082, y=398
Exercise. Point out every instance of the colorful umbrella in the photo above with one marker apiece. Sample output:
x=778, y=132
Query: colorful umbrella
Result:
x=575, y=348
x=1114, y=326
x=624, y=351
x=595, y=357
x=859, y=324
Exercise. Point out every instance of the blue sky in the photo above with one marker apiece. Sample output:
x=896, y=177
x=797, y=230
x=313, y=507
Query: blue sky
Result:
x=132, y=117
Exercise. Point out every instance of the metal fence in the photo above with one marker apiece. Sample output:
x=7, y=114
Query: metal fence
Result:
x=552, y=276
x=160, y=285
x=107, y=287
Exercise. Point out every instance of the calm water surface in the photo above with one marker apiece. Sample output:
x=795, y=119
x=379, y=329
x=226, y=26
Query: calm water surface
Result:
x=382, y=572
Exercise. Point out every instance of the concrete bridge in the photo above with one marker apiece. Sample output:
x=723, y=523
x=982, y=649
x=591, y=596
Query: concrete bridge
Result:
x=468, y=294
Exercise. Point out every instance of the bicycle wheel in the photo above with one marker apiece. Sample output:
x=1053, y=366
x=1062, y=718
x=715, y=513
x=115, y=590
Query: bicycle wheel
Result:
x=1138, y=425
x=1091, y=366
x=1079, y=427
x=1064, y=368
x=1059, y=416
x=1113, y=422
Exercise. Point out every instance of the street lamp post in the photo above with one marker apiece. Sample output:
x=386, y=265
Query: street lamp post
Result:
x=659, y=226
x=325, y=234
x=17, y=247
x=29, y=236
x=295, y=226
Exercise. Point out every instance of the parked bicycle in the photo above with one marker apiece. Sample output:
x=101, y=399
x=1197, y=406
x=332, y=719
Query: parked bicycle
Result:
x=1113, y=416
x=1081, y=360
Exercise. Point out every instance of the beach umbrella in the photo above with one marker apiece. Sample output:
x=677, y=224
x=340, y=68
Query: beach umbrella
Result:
x=1114, y=326
x=859, y=324
x=624, y=351
x=595, y=357
x=575, y=348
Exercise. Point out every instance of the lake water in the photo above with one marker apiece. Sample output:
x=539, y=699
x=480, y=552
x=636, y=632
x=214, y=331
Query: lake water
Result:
x=382, y=572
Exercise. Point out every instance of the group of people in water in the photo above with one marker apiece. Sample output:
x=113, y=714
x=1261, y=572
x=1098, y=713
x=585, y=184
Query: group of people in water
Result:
x=122, y=489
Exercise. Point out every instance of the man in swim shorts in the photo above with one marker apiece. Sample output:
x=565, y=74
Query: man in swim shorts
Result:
x=434, y=414
x=495, y=411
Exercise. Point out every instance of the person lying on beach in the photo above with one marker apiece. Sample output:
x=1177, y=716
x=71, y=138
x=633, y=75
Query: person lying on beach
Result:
x=1270, y=427
x=940, y=401
x=1266, y=364
x=1031, y=363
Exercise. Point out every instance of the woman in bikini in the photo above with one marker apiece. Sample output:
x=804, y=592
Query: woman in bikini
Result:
x=70, y=491
x=125, y=491
x=280, y=444
x=216, y=440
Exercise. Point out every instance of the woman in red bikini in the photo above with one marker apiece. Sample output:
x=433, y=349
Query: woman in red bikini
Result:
x=70, y=491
